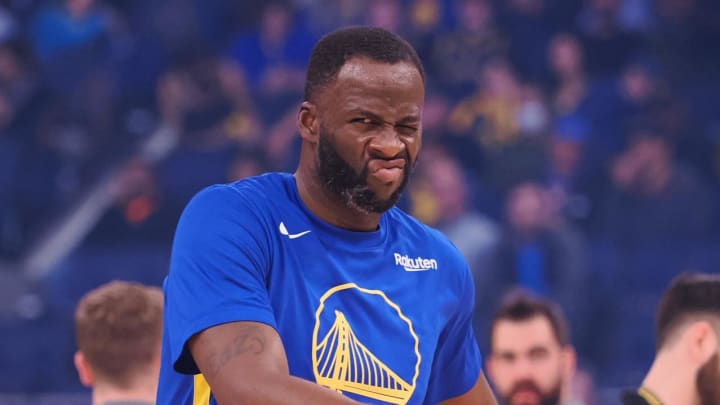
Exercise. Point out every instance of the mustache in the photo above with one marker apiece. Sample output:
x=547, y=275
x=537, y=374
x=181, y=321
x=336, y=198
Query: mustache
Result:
x=379, y=156
x=525, y=385
x=374, y=155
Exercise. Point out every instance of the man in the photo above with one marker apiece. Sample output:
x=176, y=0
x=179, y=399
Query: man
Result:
x=312, y=288
x=119, y=334
x=532, y=361
x=686, y=370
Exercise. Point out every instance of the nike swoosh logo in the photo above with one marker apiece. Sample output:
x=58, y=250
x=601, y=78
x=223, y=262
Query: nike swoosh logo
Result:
x=284, y=231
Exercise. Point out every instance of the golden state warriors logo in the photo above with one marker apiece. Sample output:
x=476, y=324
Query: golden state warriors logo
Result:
x=363, y=344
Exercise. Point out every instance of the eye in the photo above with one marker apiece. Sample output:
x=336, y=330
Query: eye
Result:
x=365, y=123
x=539, y=354
x=506, y=357
x=407, y=130
x=361, y=120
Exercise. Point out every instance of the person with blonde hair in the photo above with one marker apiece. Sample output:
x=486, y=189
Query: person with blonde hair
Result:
x=119, y=335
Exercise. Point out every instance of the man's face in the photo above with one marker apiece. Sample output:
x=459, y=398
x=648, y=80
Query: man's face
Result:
x=527, y=364
x=370, y=132
x=708, y=381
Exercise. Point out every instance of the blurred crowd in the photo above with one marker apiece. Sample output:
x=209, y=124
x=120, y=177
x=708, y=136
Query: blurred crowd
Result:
x=570, y=147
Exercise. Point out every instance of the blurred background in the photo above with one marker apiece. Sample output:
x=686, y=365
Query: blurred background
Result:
x=572, y=147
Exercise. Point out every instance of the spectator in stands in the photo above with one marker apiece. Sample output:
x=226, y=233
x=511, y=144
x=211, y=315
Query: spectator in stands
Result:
x=532, y=360
x=489, y=118
x=609, y=45
x=570, y=82
x=441, y=196
x=426, y=21
x=119, y=333
x=209, y=103
x=460, y=54
x=539, y=251
x=570, y=180
x=529, y=27
x=575, y=92
x=489, y=114
x=275, y=54
x=686, y=369
x=385, y=14
x=653, y=197
x=74, y=24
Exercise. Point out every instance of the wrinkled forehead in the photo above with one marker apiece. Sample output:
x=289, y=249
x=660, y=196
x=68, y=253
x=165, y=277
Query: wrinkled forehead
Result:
x=364, y=83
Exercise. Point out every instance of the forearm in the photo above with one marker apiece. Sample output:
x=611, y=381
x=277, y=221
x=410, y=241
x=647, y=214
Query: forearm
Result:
x=245, y=363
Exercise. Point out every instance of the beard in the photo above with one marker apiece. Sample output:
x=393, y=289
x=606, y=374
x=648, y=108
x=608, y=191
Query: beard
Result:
x=708, y=381
x=552, y=397
x=340, y=178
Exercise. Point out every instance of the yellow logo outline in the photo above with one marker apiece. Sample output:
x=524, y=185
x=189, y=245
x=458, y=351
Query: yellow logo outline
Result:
x=398, y=395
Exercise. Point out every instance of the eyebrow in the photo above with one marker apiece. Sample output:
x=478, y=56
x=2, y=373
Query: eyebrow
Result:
x=368, y=114
x=538, y=349
x=410, y=119
x=504, y=353
x=531, y=350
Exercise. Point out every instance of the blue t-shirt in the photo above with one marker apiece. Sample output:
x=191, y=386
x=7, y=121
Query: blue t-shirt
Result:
x=383, y=316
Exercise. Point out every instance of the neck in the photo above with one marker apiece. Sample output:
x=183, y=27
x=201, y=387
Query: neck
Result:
x=103, y=393
x=329, y=207
x=671, y=380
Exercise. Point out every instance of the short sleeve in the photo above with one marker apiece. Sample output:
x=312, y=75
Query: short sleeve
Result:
x=218, y=270
x=457, y=363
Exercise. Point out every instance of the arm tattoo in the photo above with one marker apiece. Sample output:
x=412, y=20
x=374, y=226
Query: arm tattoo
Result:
x=249, y=340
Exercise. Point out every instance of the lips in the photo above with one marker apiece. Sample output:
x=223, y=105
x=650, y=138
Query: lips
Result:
x=523, y=397
x=525, y=393
x=386, y=171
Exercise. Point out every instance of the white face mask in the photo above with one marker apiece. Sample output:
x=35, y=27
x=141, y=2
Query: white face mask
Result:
x=532, y=118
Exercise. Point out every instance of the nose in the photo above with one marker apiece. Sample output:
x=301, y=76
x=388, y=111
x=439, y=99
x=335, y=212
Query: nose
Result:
x=523, y=369
x=386, y=143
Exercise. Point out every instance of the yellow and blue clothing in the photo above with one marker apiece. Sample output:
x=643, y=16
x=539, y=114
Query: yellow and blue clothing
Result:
x=641, y=396
x=382, y=316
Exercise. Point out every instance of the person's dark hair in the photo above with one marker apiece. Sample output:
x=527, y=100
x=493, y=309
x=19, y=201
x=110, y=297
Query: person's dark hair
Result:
x=690, y=297
x=336, y=48
x=118, y=328
x=520, y=305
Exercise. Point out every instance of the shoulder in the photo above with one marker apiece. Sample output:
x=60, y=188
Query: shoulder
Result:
x=247, y=203
x=252, y=191
x=268, y=185
x=225, y=219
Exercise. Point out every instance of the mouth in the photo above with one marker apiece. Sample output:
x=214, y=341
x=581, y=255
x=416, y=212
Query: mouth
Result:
x=387, y=171
x=525, y=397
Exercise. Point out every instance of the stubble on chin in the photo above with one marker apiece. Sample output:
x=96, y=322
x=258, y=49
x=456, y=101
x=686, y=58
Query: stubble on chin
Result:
x=351, y=187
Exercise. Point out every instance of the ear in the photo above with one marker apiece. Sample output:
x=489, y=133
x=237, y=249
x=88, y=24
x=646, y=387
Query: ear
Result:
x=307, y=122
x=85, y=373
x=701, y=342
x=569, y=357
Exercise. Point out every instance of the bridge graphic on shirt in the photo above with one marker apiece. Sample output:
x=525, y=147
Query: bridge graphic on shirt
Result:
x=345, y=364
